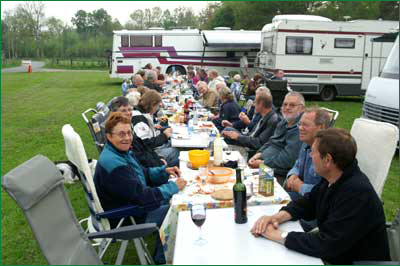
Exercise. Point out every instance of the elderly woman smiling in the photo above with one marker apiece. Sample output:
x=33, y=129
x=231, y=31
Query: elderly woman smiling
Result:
x=121, y=180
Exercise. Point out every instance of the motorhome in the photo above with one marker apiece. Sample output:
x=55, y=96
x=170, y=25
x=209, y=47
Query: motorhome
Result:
x=382, y=97
x=324, y=57
x=173, y=50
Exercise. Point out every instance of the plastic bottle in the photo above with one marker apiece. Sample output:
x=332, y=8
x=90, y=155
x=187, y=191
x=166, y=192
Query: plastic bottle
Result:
x=218, y=150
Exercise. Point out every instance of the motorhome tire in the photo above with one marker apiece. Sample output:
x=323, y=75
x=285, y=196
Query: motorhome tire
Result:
x=328, y=93
x=181, y=69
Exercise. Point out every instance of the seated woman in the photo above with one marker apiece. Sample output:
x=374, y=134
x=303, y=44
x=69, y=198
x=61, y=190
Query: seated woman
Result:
x=229, y=109
x=121, y=180
x=143, y=127
x=144, y=154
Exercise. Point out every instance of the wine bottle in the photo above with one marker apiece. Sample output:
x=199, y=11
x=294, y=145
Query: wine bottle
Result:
x=239, y=199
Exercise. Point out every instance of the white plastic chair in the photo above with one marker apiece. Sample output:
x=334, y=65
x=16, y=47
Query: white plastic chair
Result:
x=376, y=145
x=97, y=221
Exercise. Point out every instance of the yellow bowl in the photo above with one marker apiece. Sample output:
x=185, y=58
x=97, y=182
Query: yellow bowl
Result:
x=199, y=157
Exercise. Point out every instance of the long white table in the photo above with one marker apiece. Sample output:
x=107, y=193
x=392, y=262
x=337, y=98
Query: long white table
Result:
x=232, y=244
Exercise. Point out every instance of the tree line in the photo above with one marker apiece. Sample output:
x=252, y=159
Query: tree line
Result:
x=27, y=32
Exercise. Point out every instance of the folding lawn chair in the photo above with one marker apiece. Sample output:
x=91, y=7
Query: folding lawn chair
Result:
x=96, y=127
x=38, y=188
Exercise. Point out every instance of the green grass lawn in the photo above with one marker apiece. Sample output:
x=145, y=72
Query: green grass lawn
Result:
x=34, y=108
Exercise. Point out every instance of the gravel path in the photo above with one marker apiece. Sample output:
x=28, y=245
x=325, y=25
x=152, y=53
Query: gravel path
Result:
x=37, y=66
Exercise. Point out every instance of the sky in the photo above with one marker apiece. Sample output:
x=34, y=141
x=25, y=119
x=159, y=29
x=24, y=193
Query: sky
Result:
x=121, y=10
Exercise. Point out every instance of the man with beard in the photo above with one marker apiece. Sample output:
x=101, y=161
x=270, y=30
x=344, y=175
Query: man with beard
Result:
x=281, y=151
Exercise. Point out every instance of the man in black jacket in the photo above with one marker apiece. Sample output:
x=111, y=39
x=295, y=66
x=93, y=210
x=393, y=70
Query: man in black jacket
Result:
x=349, y=213
x=264, y=128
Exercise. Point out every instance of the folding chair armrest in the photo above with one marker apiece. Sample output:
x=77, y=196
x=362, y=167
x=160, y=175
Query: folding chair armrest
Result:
x=126, y=232
x=121, y=212
x=88, y=111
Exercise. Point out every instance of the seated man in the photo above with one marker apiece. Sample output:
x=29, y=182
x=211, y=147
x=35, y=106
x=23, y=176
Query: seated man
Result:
x=278, y=75
x=282, y=149
x=150, y=82
x=264, y=128
x=208, y=97
x=349, y=213
x=302, y=177
x=121, y=180
x=214, y=78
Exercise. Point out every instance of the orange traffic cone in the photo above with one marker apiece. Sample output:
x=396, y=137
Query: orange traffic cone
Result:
x=29, y=68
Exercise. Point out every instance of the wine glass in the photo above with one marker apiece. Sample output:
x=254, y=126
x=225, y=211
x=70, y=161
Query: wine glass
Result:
x=203, y=174
x=198, y=214
x=249, y=194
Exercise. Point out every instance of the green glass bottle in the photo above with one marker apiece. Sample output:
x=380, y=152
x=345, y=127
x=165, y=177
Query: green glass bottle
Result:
x=239, y=199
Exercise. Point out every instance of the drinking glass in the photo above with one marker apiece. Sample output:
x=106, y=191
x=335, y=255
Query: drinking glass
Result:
x=203, y=173
x=198, y=214
x=249, y=194
x=242, y=163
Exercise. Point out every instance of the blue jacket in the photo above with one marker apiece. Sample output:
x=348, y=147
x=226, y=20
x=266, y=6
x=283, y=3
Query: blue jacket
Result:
x=120, y=181
x=229, y=111
x=304, y=168
x=282, y=149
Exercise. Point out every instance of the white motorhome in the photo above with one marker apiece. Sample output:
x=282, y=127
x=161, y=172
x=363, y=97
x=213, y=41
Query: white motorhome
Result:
x=219, y=49
x=382, y=97
x=325, y=57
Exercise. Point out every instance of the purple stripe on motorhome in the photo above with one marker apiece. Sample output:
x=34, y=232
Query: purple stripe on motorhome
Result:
x=124, y=69
x=132, y=52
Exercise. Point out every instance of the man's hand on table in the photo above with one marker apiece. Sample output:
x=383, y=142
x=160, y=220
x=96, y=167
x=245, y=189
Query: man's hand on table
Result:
x=261, y=224
x=231, y=134
x=294, y=183
x=273, y=234
x=168, y=132
x=268, y=226
x=255, y=161
x=226, y=123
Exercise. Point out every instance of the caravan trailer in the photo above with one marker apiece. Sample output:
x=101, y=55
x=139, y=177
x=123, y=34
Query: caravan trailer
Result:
x=325, y=57
x=382, y=97
x=219, y=49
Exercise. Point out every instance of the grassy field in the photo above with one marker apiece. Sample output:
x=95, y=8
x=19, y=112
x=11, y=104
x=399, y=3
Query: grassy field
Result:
x=33, y=110
x=6, y=63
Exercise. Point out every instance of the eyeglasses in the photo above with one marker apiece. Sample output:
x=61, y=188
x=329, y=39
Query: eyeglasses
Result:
x=290, y=105
x=126, y=110
x=123, y=134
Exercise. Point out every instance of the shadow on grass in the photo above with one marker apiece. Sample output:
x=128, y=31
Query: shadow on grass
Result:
x=112, y=82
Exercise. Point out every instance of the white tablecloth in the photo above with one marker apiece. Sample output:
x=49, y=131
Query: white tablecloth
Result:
x=232, y=244
x=184, y=199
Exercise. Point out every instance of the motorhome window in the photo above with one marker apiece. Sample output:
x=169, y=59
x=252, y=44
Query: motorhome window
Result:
x=347, y=43
x=124, y=41
x=141, y=41
x=230, y=54
x=158, y=40
x=299, y=45
x=267, y=44
x=391, y=68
